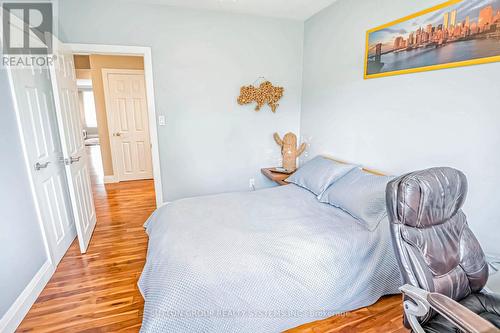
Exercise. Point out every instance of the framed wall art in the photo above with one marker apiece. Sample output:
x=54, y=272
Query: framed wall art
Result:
x=455, y=33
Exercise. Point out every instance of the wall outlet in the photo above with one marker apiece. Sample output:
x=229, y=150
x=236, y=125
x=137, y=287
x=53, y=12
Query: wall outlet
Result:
x=251, y=183
x=161, y=120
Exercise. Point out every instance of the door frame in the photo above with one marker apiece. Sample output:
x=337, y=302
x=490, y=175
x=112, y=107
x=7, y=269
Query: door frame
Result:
x=114, y=148
x=145, y=52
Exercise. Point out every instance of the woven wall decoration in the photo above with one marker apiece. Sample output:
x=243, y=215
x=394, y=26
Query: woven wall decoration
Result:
x=266, y=93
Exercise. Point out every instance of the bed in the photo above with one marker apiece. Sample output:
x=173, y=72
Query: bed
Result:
x=261, y=261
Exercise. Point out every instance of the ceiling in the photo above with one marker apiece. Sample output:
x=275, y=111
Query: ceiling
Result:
x=292, y=9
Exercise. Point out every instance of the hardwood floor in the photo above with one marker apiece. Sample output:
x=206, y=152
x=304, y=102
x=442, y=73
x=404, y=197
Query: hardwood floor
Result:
x=384, y=316
x=97, y=291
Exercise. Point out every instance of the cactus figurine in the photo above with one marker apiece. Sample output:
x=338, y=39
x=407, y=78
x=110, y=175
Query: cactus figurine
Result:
x=289, y=150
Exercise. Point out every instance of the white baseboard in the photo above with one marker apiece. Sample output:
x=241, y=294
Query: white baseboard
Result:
x=110, y=179
x=16, y=313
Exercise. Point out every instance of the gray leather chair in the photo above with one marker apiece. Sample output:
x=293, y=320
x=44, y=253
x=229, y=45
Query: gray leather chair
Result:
x=442, y=263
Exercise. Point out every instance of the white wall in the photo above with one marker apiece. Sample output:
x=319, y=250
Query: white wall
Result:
x=22, y=252
x=398, y=124
x=200, y=60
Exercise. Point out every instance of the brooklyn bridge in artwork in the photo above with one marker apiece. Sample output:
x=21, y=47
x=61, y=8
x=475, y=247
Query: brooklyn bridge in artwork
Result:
x=453, y=34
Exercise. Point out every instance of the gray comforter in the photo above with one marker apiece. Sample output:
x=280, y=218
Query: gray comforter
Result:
x=260, y=261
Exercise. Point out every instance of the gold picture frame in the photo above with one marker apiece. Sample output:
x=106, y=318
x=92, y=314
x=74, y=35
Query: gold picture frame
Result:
x=439, y=39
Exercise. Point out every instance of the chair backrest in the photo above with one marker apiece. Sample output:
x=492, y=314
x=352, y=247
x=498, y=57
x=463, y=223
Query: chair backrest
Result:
x=434, y=246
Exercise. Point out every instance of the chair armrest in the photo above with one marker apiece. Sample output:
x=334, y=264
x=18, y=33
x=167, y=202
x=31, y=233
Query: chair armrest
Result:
x=420, y=301
x=459, y=315
x=415, y=306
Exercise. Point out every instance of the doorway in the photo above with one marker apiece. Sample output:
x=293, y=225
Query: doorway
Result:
x=51, y=123
x=118, y=55
x=114, y=112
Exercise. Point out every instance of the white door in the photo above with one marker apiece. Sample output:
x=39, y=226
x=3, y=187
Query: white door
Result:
x=128, y=126
x=37, y=119
x=63, y=77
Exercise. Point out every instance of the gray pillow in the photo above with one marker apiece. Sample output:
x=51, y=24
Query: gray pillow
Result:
x=319, y=173
x=360, y=194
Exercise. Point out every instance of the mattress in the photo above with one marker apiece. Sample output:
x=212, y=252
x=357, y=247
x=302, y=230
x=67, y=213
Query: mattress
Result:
x=260, y=261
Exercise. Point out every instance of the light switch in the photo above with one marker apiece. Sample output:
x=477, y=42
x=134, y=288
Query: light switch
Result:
x=161, y=120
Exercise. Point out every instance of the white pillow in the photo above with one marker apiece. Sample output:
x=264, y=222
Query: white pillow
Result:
x=319, y=173
x=360, y=194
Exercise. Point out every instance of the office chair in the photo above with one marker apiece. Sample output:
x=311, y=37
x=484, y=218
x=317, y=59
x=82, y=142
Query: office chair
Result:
x=442, y=263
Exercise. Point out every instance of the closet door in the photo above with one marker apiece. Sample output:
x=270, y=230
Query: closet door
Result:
x=32, y=92
x=70, y=127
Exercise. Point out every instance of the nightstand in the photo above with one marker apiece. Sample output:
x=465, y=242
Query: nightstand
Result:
x=277, y=177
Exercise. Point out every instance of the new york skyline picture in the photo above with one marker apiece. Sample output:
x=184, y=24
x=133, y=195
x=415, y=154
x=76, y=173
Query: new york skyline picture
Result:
x=455, y=33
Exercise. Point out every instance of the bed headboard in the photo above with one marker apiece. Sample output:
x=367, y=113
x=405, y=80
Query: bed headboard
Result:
x=375, y=172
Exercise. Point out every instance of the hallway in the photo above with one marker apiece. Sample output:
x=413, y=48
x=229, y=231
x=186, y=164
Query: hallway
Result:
x=98, y=291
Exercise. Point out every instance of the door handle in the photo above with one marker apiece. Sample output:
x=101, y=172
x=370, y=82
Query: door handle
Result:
x=39, y=166
x=72, y=160
x=75, y=159
x=117, y=134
